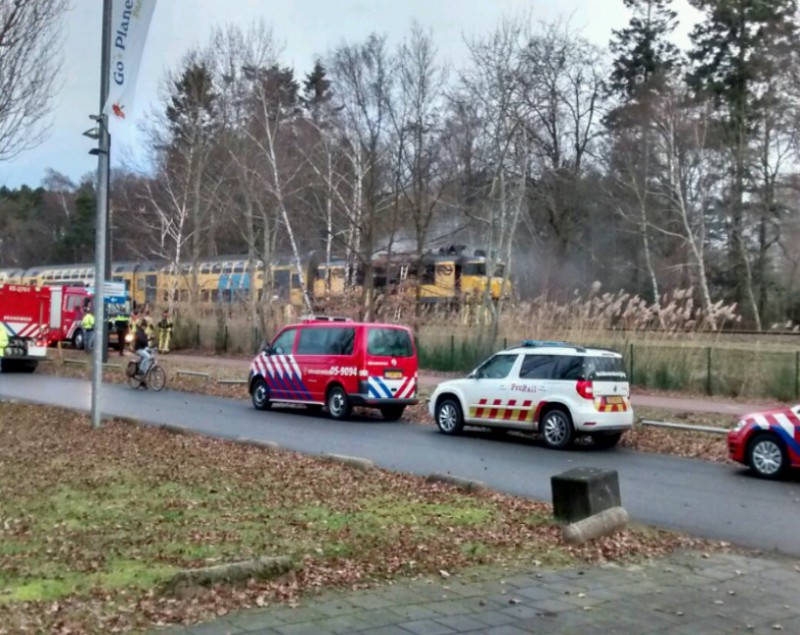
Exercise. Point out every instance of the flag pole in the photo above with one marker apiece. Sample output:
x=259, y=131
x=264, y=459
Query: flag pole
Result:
x=100, y=265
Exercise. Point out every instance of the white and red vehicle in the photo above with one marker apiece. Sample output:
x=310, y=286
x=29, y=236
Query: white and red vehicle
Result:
x=25, y=315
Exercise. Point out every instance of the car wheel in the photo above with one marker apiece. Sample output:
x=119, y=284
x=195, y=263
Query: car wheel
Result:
x=556, y=429
x=77, y=340
x=392, y=413
x=606, y=441
x=260, y=394
x=449, y=417
x=767, y=457
x=338, y=404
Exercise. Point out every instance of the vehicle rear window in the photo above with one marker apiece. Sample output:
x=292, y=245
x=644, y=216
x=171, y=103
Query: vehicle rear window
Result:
x=604, y=368
x=389, y=343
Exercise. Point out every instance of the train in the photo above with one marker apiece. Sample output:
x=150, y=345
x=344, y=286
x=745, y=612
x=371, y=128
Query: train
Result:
x=447, y=276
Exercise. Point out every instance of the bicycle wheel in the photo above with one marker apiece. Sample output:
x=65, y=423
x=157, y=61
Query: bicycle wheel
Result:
x=157, y=378
x=135, y=381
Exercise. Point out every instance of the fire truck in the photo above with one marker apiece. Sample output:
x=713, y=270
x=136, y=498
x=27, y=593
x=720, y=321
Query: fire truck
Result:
x=25, y=315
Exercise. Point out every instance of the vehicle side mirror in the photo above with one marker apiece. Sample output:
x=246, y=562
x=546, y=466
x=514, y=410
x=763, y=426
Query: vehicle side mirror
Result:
x=475, y=374
x=267, y=349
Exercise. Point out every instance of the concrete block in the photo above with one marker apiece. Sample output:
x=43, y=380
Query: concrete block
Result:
x=602, y=524
x=351, y=461
x=583, y=492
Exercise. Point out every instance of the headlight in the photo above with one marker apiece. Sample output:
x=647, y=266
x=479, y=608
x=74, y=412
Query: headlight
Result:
x=739, y=425
x=129, y=338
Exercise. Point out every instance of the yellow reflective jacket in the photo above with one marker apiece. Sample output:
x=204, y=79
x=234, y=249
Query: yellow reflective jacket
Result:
x=3, y=339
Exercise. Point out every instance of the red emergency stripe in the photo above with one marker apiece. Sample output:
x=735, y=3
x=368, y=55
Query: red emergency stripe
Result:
x=479, y=411
x=493, y=413
x=510, y=410
x=524, y=412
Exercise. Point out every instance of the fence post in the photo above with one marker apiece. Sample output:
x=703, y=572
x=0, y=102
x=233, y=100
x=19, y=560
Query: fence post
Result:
x=631, y=373
x=505, y=342
x=797, y=375
x=708, y=371
x=197, y=337
x=452, y=352
x=225, y=347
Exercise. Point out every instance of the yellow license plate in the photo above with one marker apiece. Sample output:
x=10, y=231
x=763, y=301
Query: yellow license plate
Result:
x=393, y=374
x=614, y=400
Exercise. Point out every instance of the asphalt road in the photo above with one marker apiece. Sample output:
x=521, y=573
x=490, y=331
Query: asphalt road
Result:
x=714, y=501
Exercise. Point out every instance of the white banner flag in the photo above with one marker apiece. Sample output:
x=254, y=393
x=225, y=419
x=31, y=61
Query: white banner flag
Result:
x=130, y=20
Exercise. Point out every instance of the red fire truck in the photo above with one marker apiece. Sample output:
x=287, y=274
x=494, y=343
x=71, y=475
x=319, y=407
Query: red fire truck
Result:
x=25, y=315
x=67, y=305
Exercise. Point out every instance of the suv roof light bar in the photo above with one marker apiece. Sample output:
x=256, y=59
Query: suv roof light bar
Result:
x=325, y=318
x=546, y=343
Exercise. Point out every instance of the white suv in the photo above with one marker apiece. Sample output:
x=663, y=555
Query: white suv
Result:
x=558, y=390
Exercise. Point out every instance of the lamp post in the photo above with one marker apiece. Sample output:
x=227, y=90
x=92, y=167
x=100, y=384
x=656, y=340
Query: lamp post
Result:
x=100, y=351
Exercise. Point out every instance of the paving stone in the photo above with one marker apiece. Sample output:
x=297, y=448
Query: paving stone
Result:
x=332, y=608
x=346, y=624
x=461, y=623
x=251, y=620
x=426, y=627
x=495, y=618
x=385, y=630
x=453, y=607
x=306, y=628
x=219, y=627
x=533, y=593
x=414, y=612
x=506, y=630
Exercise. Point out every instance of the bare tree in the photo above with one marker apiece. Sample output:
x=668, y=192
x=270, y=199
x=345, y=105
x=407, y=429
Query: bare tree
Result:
x=417, y=119
x=690, y=177
x=30, y=60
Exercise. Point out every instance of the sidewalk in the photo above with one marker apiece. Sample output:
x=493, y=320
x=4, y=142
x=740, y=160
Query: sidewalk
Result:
x=684, y=593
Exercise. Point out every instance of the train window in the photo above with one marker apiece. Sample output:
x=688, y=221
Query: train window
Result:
x=295, y=281
x=216, y=268
x=499, y=271
x=239, y=268
x=204, y=295
x=205, y=269
x=474, y=269
x=227, y=268
x=429, y=274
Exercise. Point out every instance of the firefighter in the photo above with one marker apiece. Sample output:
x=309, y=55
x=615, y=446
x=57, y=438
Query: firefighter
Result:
x=164, y=332
x=121, y=326
x=134, y=322
x=3, y=344
x=150, y=330
x=87, y=324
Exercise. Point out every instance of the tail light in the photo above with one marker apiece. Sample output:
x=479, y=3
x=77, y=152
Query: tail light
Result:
x=585, y=389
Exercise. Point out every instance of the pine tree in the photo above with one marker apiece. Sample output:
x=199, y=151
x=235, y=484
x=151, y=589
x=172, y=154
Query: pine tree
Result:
x=192, y=105
x=643, y=54
x=316, y=89
x=738, y=48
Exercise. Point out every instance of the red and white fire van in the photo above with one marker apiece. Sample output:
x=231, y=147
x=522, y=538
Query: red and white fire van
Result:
x=25, y=315
x=338, y=364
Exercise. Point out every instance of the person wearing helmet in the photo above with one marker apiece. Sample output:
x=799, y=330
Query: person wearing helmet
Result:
x=3, y=344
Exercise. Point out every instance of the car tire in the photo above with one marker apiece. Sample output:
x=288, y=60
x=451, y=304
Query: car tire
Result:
x=392, y=413
x=555, y=428
x=259, y=392
x=337, y=403
x=449, y=417
x=77, y=340
x=606, y=441
x=767, y=457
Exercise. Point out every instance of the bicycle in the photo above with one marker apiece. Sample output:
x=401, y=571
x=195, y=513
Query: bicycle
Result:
x=155, y=377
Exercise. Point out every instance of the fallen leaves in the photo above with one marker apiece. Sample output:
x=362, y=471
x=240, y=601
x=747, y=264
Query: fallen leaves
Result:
x=101, y=517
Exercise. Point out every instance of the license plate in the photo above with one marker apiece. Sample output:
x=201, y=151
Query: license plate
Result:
x=614, y=400
x=393, y=374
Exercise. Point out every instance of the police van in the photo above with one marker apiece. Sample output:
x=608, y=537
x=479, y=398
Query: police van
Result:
x=336, y=364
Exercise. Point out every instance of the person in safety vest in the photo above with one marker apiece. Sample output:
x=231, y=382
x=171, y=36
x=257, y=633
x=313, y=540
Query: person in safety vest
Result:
x=132, y=326
x=3, y=344
x=164, y=333
x=87, y=324
x=150, y=329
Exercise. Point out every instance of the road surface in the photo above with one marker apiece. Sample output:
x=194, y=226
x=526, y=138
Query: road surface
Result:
x=704, y=499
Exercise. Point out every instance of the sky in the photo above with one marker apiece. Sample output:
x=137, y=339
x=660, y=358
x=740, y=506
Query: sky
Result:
x=307, y=29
